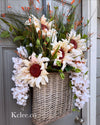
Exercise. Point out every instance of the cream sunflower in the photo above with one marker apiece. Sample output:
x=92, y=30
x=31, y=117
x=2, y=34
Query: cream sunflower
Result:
x=63, y=54
x=46, y=25
x=79, y=45
x=43, y=25
x=33, y=71
x=47, y=28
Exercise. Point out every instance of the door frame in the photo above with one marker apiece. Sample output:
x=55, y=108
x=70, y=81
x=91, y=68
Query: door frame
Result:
x=89, y=11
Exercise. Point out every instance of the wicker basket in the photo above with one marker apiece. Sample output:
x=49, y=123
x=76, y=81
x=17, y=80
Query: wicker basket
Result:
x=52, y=101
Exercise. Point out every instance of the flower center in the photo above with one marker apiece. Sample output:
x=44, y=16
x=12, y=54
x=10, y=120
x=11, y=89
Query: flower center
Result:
x=35, y=70
x=74, y=43
x=44, y=27
x=63, y=53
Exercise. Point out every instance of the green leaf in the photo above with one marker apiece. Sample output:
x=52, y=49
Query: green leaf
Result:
x=71, y=18
x=63, y=28
x=10, y=25
x=10, y=28
x=86, y=73
x=85, y=36
x=77, y=70
x=17, y=38
x=38, y=42
x=88, y=21
x=60, y=70
x=62, y=75
x=29, y=50
x=70, y=84
x=5, y=34
x=55, y=8
x=51, y=19
x=47, y=39
x=17, y=19
x=68, y=68
x=58, y=63
x=75, y=97
x=62, y=36
x=75, y=109
x=14, y=33
x=52, y=69
x=73, y=6
x=55, y=54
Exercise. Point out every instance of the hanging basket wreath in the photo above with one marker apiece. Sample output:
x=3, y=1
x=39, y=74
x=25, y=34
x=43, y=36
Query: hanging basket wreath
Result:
x=51, y=60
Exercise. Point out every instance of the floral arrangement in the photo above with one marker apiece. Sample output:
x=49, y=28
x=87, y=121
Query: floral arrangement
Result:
x=46, y=44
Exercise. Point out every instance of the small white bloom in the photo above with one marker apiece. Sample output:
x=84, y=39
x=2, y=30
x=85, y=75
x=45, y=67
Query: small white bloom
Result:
x=20, y=94
x=80, y=84
x=22, y=50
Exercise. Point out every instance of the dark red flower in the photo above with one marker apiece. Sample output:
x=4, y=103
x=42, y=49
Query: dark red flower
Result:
x=35, y=70
x=44, y=27
x=63, y=53
x=74, y=43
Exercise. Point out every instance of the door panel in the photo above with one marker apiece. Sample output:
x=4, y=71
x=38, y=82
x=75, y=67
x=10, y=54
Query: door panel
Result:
x=67, y=120
x=7, y=48
x=7, y=103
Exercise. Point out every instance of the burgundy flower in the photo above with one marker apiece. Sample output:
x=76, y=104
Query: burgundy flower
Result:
x=35, y=70
x=74, y=43
x=44, y=27
x=63, y=53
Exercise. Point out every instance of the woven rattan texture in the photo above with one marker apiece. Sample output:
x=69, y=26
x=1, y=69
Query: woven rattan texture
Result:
x=52, y=101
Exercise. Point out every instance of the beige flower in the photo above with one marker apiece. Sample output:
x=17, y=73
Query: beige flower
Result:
x=34, y=21
x=47, y=28
x=63, y=54
x=33, y=71
x=79, y=45
x=44, y=25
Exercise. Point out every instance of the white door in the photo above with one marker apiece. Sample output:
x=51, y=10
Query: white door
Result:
x=7, y=104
